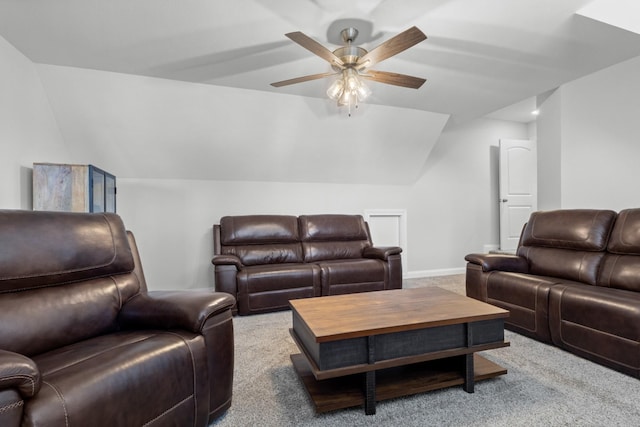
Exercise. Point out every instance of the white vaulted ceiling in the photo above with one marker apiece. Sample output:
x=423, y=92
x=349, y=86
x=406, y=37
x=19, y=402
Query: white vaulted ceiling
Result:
x=162, y=80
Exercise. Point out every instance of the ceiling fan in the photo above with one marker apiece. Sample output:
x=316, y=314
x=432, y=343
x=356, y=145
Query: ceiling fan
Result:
x=353, y=63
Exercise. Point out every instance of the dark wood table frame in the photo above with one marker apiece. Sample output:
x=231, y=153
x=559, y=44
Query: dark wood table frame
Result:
x=357, y=349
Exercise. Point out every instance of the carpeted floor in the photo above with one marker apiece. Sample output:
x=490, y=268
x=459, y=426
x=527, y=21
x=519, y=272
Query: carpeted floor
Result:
x=545, y=386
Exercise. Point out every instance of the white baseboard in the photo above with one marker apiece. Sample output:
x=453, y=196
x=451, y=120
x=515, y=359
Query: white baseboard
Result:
x=434, y=273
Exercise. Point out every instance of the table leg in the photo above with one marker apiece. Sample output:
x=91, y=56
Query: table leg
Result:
x=370, y=378
x=370, y=393
x=469, y=370
x=469, y=374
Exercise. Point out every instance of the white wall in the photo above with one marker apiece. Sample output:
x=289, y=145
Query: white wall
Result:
x=28, y=130
x=601, y=139
x=453, y=209
x=450, y=210
x=589, y=141
x=549, y=136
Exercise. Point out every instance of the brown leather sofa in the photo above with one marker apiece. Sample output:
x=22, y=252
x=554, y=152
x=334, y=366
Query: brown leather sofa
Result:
x=266, y=260
x=82, y=342
x=574, y=282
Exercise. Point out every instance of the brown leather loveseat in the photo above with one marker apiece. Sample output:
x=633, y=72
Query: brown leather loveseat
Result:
x=266, y=260
x=574, y=282
x=82, y=342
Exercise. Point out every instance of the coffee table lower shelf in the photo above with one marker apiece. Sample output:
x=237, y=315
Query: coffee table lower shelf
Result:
x=348, y=391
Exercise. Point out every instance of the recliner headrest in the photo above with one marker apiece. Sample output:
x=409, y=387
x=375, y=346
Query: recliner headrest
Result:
x=625, y=237
x=577, y=229
x=258, y=229
x=333, y=227
x=41, y=248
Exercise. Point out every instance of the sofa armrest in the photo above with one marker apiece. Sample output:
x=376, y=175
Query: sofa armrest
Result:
x=19, y=372
x=381, y=252
x=225, y=271
x=501, y=262
x=227, y=260
x=188, y=309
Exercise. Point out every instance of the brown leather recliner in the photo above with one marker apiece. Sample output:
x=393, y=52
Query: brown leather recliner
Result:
x=82, y=341
x=266, y=260
x=574, y=282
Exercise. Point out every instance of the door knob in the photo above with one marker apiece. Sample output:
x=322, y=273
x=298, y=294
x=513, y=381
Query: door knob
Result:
x=504, y=200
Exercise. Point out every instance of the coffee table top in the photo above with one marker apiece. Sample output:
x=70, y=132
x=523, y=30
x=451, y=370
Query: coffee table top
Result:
x=339, y=317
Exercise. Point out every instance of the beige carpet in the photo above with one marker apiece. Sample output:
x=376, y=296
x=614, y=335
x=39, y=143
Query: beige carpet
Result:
x=545, y=386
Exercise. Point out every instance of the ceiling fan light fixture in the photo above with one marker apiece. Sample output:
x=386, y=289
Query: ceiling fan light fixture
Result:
x=363, y=91
x=336, y=88
x=351, y=79
x=346, y=99
x=348, y=89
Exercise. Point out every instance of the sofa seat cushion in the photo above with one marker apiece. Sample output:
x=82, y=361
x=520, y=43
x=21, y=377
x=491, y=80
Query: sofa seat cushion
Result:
x=526, y=297
x=115, y=380
x=270, y=287
x=352, y=275
x=602, y=324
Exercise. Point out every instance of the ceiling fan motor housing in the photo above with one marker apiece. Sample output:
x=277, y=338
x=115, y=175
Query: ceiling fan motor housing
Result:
x=349, y=55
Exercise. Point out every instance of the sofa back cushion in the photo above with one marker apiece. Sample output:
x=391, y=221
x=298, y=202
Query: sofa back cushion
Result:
x=48, y=248
x=579, y=266
x=568, y=243
x=621, y=266
x=576, y=229
x=63, y=277
x=326, y=237
x=261, y=239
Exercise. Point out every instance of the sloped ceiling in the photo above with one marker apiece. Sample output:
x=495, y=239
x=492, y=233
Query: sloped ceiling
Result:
x=156, y=128
x=201, y=71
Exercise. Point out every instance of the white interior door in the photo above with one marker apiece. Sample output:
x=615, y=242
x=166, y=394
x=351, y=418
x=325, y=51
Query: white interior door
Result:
x=518, y=189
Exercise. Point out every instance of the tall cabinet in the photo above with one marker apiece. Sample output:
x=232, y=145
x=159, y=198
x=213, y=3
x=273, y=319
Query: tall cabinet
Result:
x=73, y=188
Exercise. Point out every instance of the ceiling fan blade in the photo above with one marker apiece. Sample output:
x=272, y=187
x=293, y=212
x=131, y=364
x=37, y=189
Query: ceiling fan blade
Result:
x=393, y=46
x=315, y=47
x=394, y=79
x=302, y=79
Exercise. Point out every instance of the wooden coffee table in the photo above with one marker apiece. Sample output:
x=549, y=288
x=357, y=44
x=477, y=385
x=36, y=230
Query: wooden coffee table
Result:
x=357, y=349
